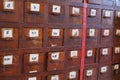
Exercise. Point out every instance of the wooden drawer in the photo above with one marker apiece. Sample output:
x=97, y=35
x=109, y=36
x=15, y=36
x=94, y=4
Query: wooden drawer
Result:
x=117, y=17
x=116, y=54
x=10, y=10
x=32, y=38
x=34, y=12
x=90, y=74
x=105, y=72
x=94, y=16
x=108, y=2
x=107, y=16
x=92, y=36
x=116, y=71
x=56, y=14
x=55, y=37
x=9, y=38
x=73, y=58
x=74, y=36
x=105, y=55
x=31, y=77
x=55, y=77
x=56, y=61
x=106, y=36
x=94, y=1
x=72, y=75
x=10, y=78
x=91, y=56
x=75, y=15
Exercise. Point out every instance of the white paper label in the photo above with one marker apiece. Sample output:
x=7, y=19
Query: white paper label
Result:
x=104, y=69
x=9, y=5
x=116, y=66
x=33, y=71
x=75, y=10
x=72, y=75
x=107, y=13
x=7, y=33
x=106, y=32
x=118, y=14
x=75, y=32
x=55, y=56
x=117, y=50
x=105, y=51
x=92, y=32
x=35, y=7
x=73, y=54
x=32, y=78
x=8, y=60
x=55, y=77
x=55, y=32
x=89, y=53
x=34, y=57
x=89, y=73
x=93, y=12
x=56, y=9
x=118, y=32
x=34, y=33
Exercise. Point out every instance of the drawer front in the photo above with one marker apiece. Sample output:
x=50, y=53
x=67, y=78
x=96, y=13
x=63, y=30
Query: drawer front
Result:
x=94, y=16
x=91, y=56
x=56, y=61
x=55, y=37
x=33, y=37
x=10, y=10
x=73, y=58
x=75, y=15
x=56, y=14
x=107, y=17
x=9, y=38
x=34, y=12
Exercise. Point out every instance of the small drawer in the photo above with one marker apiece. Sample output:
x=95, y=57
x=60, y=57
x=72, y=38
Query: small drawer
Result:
x=90, y=74
x=10, y=10
x=94, y=16
x=73, y=57
x=8, y=37
x=75, y=14
x=105, y=55
x=105, y=72
x=72, y=75
x=56, y=14
x=55, y=77
x=91, y=56
x=56, y=61
x=33, y=37
x=116, y=69
x=34, y=12
x=74, y=36
x=55, y=37
x=107, y=17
